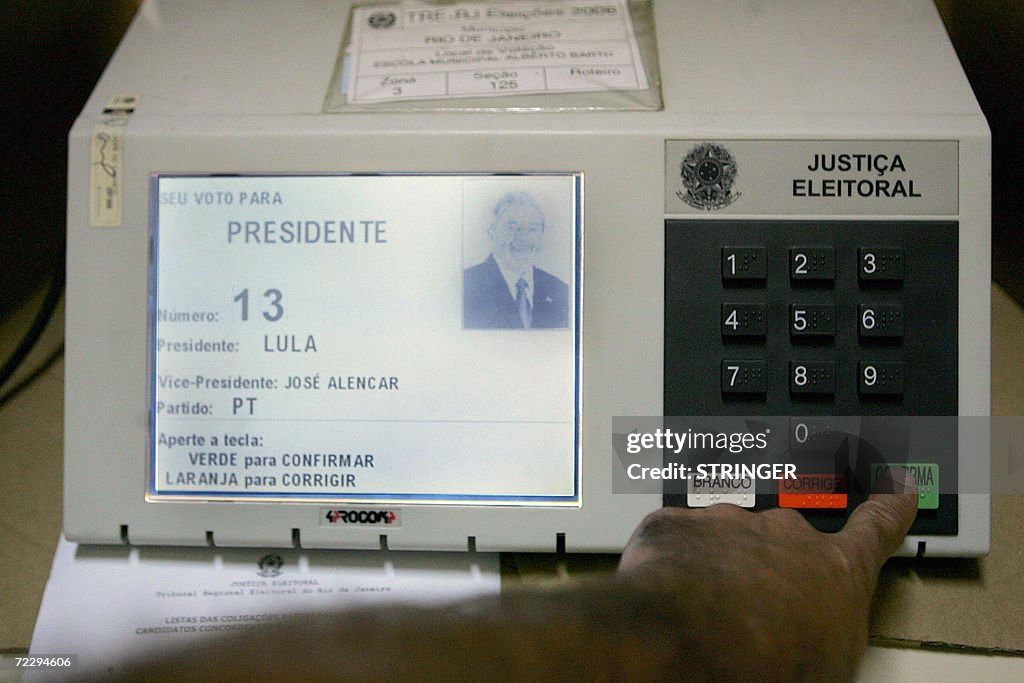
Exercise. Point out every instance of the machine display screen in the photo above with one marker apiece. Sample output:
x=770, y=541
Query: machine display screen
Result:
x=365, y=338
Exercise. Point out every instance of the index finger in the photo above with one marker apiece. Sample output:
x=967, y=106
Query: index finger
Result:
x=877, y=528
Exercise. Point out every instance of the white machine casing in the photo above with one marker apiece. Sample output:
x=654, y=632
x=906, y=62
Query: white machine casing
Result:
x=238, y=87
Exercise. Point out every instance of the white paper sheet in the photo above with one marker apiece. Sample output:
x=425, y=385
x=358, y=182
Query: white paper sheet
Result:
x=106, y=604
x=480, y=49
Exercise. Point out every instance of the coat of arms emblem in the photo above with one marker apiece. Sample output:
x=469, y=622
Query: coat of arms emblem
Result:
x=708, y=172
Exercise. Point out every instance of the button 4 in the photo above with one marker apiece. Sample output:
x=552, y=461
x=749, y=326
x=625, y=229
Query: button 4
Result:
x=744, y=320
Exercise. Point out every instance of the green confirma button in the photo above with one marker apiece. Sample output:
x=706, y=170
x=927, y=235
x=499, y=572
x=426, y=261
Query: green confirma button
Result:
x=925, y=474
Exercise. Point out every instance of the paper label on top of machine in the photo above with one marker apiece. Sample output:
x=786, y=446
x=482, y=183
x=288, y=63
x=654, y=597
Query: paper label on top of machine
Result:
x=812, y=177
x=106, y=161
x=474, y=49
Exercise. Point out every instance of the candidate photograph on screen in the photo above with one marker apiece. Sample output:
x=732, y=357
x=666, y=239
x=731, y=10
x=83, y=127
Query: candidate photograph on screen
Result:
x=507, y=289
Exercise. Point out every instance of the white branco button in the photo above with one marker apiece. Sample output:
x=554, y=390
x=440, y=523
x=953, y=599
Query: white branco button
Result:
x=701, y=493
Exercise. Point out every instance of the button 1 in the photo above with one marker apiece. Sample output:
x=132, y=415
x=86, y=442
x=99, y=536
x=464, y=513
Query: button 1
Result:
x=880, y=264
x=881, y=321
x=812, y=377
x=880, y=377
x=813, y=491
x=744, y=377
x=925, y=474
x=812, y=263
x=744, y=263
x=743, y=320
x=812, y=320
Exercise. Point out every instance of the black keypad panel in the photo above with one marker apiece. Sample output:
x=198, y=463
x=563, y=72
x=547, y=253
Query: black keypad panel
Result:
x=813, y=318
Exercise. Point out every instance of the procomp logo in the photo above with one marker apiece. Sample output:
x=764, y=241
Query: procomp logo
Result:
x=362, y=517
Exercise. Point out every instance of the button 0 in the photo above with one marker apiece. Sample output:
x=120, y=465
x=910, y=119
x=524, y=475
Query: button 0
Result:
x=744, y=263
x=812, y=320
x=823, y=435
x=812, y=263
x=926, y=476
x=813, y=491
x=881, y=264
x=744, y=320
x=744, y=377
x=881, y=321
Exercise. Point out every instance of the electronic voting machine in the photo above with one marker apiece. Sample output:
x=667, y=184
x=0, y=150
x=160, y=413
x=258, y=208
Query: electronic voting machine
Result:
x=510, y=275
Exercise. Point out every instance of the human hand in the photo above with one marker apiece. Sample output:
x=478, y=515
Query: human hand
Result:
x=767, y=595
x=713, y=594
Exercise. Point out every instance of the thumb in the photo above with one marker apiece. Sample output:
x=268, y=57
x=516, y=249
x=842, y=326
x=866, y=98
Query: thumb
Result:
x=877, y=527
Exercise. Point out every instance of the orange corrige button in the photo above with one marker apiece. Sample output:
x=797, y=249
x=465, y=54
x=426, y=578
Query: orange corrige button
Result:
x=813, y=491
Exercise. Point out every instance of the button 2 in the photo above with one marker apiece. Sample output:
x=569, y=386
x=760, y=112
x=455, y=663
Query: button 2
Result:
x=812, y=263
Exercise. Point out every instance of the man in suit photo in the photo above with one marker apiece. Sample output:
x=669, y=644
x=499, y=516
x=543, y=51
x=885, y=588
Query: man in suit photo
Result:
x=507, y=291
